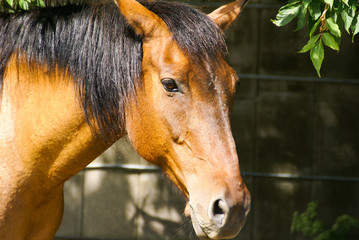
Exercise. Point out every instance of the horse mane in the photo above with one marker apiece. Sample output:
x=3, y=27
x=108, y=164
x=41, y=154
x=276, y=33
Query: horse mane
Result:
x=101, y=51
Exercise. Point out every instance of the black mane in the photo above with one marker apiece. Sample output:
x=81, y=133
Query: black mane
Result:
x=101, y=51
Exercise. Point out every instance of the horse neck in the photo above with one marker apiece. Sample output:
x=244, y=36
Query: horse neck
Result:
x=45, y=132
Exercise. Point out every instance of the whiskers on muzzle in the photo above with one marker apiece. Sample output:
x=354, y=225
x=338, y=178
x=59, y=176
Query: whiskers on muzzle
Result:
x=185, y=231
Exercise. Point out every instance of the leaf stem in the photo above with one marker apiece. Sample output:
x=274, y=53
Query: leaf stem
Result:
x=323, y=23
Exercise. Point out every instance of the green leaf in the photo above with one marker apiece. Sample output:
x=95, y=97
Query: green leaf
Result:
x=333, y=27
x=10, y=2
x=301, y=18
x=40, y=3
x=355, y=26
x=312, y=30
x=347, y=14
x=310, y=44
x=346, y=2
x=315, y=9
x=330, y=3
x=306, y=3
x=347, y=20
x=20, y=2
x=289, y=5
x=23, y=4
x=317, y=56
x=334, y=15
x=338, y=40
x=287, y=13
x=329, y=41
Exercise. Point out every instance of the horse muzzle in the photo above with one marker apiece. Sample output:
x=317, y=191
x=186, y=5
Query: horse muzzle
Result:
x=222, y=218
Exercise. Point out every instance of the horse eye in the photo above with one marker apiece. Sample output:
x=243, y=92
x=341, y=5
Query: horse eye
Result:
x=169, y=85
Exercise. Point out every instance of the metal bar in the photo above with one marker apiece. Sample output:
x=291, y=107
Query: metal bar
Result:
x=301, y=177
x=144, y=168
x=297, y=78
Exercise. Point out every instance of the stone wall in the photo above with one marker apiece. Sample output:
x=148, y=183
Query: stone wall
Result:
x=285, y=121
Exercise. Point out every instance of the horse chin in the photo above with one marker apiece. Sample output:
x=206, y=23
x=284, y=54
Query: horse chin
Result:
x=205, y=233
x=196, y=226
x=204, y=229
x=189, y=213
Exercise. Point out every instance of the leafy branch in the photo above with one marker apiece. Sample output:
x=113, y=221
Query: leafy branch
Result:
x=12, y=6
x=326, y=20
x=308, y=224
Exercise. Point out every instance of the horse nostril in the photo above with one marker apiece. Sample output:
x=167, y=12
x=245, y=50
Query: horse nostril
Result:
x=217, y=209
x=218, y=212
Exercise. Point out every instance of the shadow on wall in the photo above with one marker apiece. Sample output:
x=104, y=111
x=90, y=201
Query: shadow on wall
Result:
x=117, y=204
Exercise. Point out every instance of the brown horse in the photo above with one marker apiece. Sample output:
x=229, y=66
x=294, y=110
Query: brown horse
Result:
x=76, y=78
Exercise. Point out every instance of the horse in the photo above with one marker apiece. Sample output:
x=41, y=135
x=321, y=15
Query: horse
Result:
x=76, y=78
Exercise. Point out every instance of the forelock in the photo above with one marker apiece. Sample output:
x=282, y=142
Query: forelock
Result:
x=195, y=33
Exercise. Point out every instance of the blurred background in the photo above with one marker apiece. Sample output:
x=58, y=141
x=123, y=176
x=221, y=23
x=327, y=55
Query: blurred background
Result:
x=297, y=137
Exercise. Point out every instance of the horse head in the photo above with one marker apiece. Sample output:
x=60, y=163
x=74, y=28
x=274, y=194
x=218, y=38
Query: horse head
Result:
x=180, y=120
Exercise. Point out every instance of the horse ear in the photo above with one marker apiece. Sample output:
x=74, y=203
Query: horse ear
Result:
x=225, y=15
x=144, y=22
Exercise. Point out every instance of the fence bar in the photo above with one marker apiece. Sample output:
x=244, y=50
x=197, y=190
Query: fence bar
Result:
x=148, y=168
x=125, y=167
x=297, y=78
x=82, y=238
x=300, y=177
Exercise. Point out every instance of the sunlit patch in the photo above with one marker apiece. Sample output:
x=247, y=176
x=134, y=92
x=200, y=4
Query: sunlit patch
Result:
x=286, y=187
